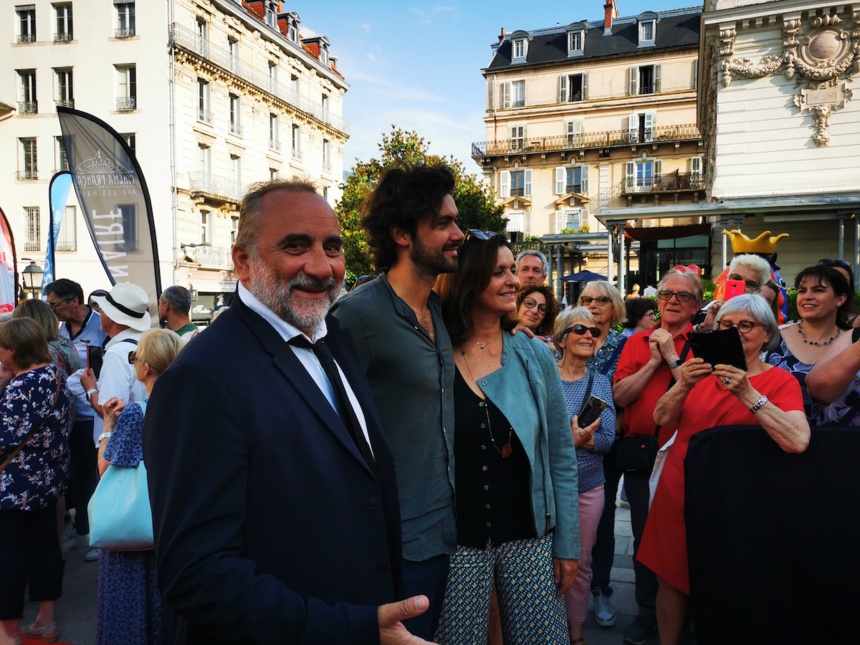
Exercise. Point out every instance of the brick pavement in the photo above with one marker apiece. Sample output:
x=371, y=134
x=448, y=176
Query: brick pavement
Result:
x=78, y=608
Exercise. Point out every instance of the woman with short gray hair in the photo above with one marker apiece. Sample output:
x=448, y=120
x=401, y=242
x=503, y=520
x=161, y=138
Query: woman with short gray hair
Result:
x=704, y=397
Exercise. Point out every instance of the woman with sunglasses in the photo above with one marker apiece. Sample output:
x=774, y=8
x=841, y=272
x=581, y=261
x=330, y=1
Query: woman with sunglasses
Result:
x=515, y=480
x=575, y=336
x=130, y=607
x=823, y=306
x=537, y=309
x=607, y=306
x=705, y=397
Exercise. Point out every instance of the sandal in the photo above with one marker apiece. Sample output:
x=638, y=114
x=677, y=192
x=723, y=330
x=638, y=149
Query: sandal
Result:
x=49, y=633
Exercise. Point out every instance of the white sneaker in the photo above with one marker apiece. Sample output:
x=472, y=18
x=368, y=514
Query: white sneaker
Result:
x=74, y=541
x=92, y=555
x=604, y=614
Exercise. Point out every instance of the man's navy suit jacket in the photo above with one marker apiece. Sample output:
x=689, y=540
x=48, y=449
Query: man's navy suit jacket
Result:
x=269, y=525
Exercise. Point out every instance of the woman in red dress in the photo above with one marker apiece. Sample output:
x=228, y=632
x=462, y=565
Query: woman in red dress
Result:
x=706, y=397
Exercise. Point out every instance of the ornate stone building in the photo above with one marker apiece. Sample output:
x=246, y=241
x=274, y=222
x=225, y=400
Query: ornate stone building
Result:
x=211, y=95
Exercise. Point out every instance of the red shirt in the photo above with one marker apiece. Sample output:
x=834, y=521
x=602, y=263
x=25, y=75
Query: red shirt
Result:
x=639, y=415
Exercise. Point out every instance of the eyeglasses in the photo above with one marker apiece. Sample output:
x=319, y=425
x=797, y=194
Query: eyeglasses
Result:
x=751, y=285
x=474, y=234
x=580, y=330
x=682, y=296
x=54, y=305
x=531, y=303
x=842, y=264
x=600, y=300
x=132, y=358
x=744, y=326
x=650, y=314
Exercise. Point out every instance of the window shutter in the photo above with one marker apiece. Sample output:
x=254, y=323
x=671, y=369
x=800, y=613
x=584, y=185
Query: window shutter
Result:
x=505, y=184
x=585, y=170
x=527, y=220
x=490, y=94
x=528, y=187
x=695, y=84
x=560, y=221
x=696, y=165
x=505, y=95
x=562, y=88
x=559, y=180
x=632, y=80
x=657, y=78
x=630, y=175
x=585, y=86
x=650, y=117
x=633, y=128
x=658, y=171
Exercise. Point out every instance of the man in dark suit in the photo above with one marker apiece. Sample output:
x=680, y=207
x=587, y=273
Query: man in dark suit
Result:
x=272, y=486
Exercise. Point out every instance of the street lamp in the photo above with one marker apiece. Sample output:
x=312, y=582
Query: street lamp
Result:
x=32, y=276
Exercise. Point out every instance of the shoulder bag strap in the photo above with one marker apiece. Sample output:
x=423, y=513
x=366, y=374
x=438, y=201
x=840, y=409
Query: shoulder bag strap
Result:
x=587, y=390
x=612, y=359
x=32, y=432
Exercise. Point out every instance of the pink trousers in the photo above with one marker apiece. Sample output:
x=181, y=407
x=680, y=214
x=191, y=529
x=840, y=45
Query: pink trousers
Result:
x=590, y=509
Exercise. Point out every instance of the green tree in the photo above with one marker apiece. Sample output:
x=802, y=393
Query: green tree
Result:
x=475, y=201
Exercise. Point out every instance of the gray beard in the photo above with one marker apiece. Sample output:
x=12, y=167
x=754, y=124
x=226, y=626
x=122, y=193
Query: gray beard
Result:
x=303, y=313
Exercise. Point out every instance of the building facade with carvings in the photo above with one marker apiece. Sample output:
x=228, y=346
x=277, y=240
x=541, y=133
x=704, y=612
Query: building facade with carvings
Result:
x=211, y=95
x=591, y=116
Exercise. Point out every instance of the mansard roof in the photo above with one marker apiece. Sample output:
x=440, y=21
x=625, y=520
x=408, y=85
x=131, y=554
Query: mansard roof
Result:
x=676, y=29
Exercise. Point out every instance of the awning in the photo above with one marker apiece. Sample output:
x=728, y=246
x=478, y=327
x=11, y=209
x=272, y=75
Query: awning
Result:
x=666, y=232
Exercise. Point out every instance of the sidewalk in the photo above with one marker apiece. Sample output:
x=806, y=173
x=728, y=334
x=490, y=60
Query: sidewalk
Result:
x=77, y=610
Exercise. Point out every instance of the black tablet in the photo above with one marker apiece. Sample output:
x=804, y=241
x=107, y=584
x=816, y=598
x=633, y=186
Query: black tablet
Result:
x=721, y=346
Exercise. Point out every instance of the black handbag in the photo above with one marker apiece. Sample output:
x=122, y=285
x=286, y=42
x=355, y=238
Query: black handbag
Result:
x=636, y=454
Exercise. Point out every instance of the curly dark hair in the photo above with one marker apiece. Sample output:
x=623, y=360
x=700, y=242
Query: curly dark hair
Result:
x=636, y=308
x=552, y=307
x=404, y=195
x=459, y=291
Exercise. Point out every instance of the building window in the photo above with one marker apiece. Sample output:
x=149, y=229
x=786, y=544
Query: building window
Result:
x=515, y=183
x=644, y=79
x=125, y=27
x=61, y=161
x=27, y=103
x=234, y=228
x=129, y=227
x=294, y=88
x=274, y=132
x=695, y=172
x=325, y=104
x=274, y=174
x=325, y=193
x=202, y=37
x=571, y=180
x=297, y=142
x=205, y=230
x=273, y=76
x=65, y=88
x=33, y=229
x=575, y=131
x=235, y=111
x=324, y=54
x=204, y=159
x=575, y=40
x=26, y=23
x=642, y=176
x=131, y=141
x=236, y=173
x=641, y=127
x=572, y=88
x=203, y=113
x=67, y=239
x=518, y=137
x=646, y=32
x=568, y=219
x=518, y=222
x=232, y=54
x=272, y=13
x=326, y=155
x=126, y=91
x=513, y=94
x=520, y=49
x=64, y=31
x=293, y=32
x=28, y=160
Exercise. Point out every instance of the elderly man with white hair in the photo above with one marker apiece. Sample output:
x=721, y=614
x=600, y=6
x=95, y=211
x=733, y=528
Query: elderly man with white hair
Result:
x=752, y=270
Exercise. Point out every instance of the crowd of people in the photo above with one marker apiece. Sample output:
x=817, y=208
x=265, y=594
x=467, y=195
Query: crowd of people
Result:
x=434, y=457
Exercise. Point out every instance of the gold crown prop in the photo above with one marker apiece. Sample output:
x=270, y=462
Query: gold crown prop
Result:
x=764, y=244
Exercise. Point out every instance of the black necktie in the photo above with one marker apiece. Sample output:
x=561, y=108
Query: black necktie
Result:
x=343, y=405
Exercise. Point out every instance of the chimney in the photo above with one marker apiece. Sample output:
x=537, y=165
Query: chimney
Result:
x=502, y=36
x=610, y=11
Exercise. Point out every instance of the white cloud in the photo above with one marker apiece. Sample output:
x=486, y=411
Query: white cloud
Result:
x=366, y=27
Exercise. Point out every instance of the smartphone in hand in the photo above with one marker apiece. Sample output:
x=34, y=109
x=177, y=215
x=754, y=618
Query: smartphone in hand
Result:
x=734, y=288
x=591, y=411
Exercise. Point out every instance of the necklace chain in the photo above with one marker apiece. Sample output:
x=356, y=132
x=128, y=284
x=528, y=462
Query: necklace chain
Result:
x=506, y=450
x=816, y=343
x=483, y=345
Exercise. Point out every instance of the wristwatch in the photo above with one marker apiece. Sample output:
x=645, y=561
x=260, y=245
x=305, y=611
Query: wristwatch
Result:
x=90, y=392
x=675, y=364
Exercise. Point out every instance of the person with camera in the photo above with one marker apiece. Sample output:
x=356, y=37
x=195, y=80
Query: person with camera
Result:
x=588, y=395
x=706, y=397
x=649, y=363
x=81, y=324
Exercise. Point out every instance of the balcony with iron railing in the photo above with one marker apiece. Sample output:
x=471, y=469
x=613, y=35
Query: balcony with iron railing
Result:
x=275, y=145
x=235, y=128
x=27, y=175
x=219, y=257
x=31, y=245
x=124, y=32
x=204, y=115
x=214, y=187
x=188, y=40
x=28, y=107
x=67, y=245
x=63, y=37
x=26, y=38
x=673, y=182
x=561, y=143
x=69, y=103
x=126, y=104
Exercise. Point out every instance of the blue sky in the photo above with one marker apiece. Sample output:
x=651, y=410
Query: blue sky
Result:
x=418, y=64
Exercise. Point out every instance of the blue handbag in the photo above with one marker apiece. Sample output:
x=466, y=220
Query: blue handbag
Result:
x=119, y=511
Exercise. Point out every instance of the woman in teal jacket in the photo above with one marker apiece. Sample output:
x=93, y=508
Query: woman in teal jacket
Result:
x=515, y=475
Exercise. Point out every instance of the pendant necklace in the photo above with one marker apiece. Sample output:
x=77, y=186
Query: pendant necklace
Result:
x=816, y=343
x=507, y=450
x=483, y=345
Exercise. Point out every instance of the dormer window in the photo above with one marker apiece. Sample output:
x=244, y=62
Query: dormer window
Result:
x=293, y=21
x=519, y=48
x=647, y=30
x=323, y=54
x=293, y=34
x=575, y=42
x=272, y=13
